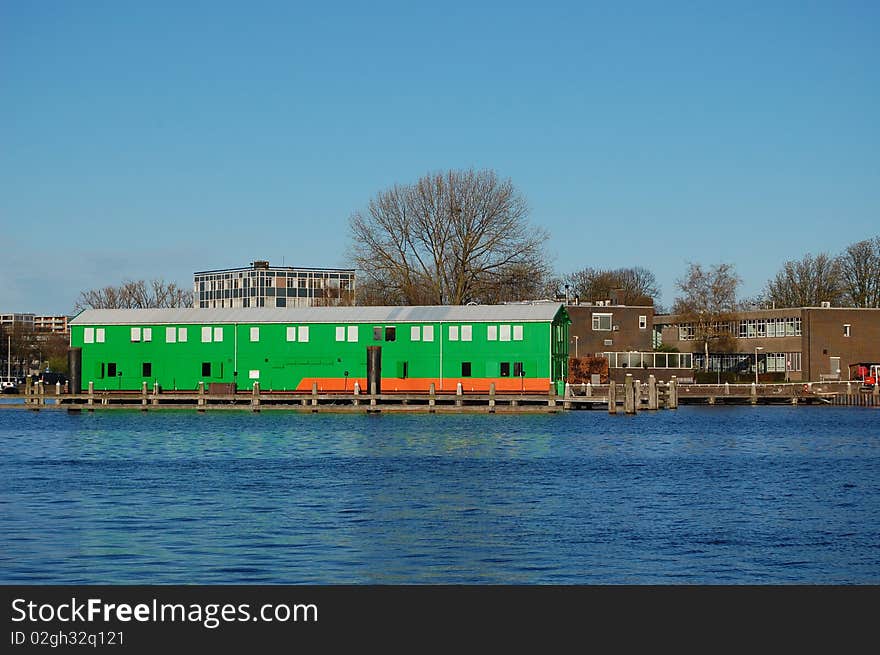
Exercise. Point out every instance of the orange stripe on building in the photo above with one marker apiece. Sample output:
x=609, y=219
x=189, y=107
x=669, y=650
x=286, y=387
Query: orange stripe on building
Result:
x=423, y=385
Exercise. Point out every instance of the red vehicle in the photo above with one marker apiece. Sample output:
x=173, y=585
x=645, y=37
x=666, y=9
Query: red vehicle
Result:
x=865, y=372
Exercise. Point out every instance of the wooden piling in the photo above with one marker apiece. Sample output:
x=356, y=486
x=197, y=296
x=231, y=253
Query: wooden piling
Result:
x=492, y=397
x=432, y=397
x=672, y=393
x=628, y=395
x=653, y=398
x=255, y=397
x=551, y=395
x=753, y=394
x=612, y=397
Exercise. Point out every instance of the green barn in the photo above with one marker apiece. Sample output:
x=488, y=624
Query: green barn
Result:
x=519, y=347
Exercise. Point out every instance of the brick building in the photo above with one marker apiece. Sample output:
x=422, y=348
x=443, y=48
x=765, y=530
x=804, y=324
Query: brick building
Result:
x=795, y=344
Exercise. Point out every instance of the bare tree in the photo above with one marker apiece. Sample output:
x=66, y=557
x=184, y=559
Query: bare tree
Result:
x=633, y=286
x=707, y=305
x=137, y=294
x=806, y=282
x=860, y=273
x=450, y=238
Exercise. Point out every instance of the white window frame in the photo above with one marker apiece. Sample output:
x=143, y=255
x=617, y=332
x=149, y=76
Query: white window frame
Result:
x=598, y=319
x=88, y=335
x=302, y=334
x=170, y=335
x=147, y=334
x=352, y=334
x=427, y=333
x=517, y=332
x=135, y=334
x=254, y=374
x=206, y=334
x=453, y=333
x=291, y=333
x=218, y=334
x=340, y=333
x=99, y=335
x=643, y=322
x=182, y=334
x=255, y=333
x=847, y=329
x=491, y=333
x=467, y=333
x=415, y=333
x=504, y=333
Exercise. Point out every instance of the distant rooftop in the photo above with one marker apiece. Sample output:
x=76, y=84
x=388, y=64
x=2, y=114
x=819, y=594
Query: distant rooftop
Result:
x=263, y=265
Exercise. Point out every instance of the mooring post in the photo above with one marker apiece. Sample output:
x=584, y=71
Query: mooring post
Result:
x=612, y=397
x=876, y=391
x=91, y=392
x=201, y=399
x=727, y=388
x=57, y=388
x=143, y=393
x=255, y=396
x=566, y=403
x=357, y=392
x=156, y=392
x=314, y=394
x=653, y=400
x=628, y=394
x=28, y=391
x=753, y=396
x=39, y=393
x=588, y=389
x=372, y=393
x=491, y=396
x=551, y=395
x=432, y=396
x=672, y=393
x=637, y=396
x=458, y=390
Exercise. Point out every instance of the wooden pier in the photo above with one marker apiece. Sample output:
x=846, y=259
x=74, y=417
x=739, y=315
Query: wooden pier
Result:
x=630, y=397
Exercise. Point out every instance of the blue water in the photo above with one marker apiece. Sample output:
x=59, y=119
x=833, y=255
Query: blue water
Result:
x=701, y=495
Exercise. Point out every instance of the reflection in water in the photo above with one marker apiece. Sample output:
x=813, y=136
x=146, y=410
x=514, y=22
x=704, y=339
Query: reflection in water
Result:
x=701, y=495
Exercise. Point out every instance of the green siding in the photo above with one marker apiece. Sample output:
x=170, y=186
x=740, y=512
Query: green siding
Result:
x=282, y=364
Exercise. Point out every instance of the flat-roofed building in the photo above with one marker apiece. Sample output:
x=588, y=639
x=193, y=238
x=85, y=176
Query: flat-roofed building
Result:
x=262, y=285
x=796, y=344
x=16, y=318
x=55, y=324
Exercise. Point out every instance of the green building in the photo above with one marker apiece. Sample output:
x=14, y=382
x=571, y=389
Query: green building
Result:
x=519, y=347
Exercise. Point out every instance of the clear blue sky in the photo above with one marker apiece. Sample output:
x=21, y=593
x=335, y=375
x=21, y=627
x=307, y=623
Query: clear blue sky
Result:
x=146, y=139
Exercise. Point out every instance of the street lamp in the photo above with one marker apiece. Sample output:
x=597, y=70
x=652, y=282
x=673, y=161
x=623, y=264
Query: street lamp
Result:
x=757, y=348
x=575, y=337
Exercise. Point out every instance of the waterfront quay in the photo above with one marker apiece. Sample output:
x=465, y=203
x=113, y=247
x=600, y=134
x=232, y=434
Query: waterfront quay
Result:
x=630, y=397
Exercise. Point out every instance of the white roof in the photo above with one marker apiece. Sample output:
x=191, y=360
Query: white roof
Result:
x=423, y=314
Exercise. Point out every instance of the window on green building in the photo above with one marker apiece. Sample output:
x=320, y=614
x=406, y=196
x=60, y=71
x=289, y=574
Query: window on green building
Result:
x=206, y=369
x=465, y=369
x=390, y=334
x=505, y=369
x=111, y=370
x=147, y=370
x=377, y=334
